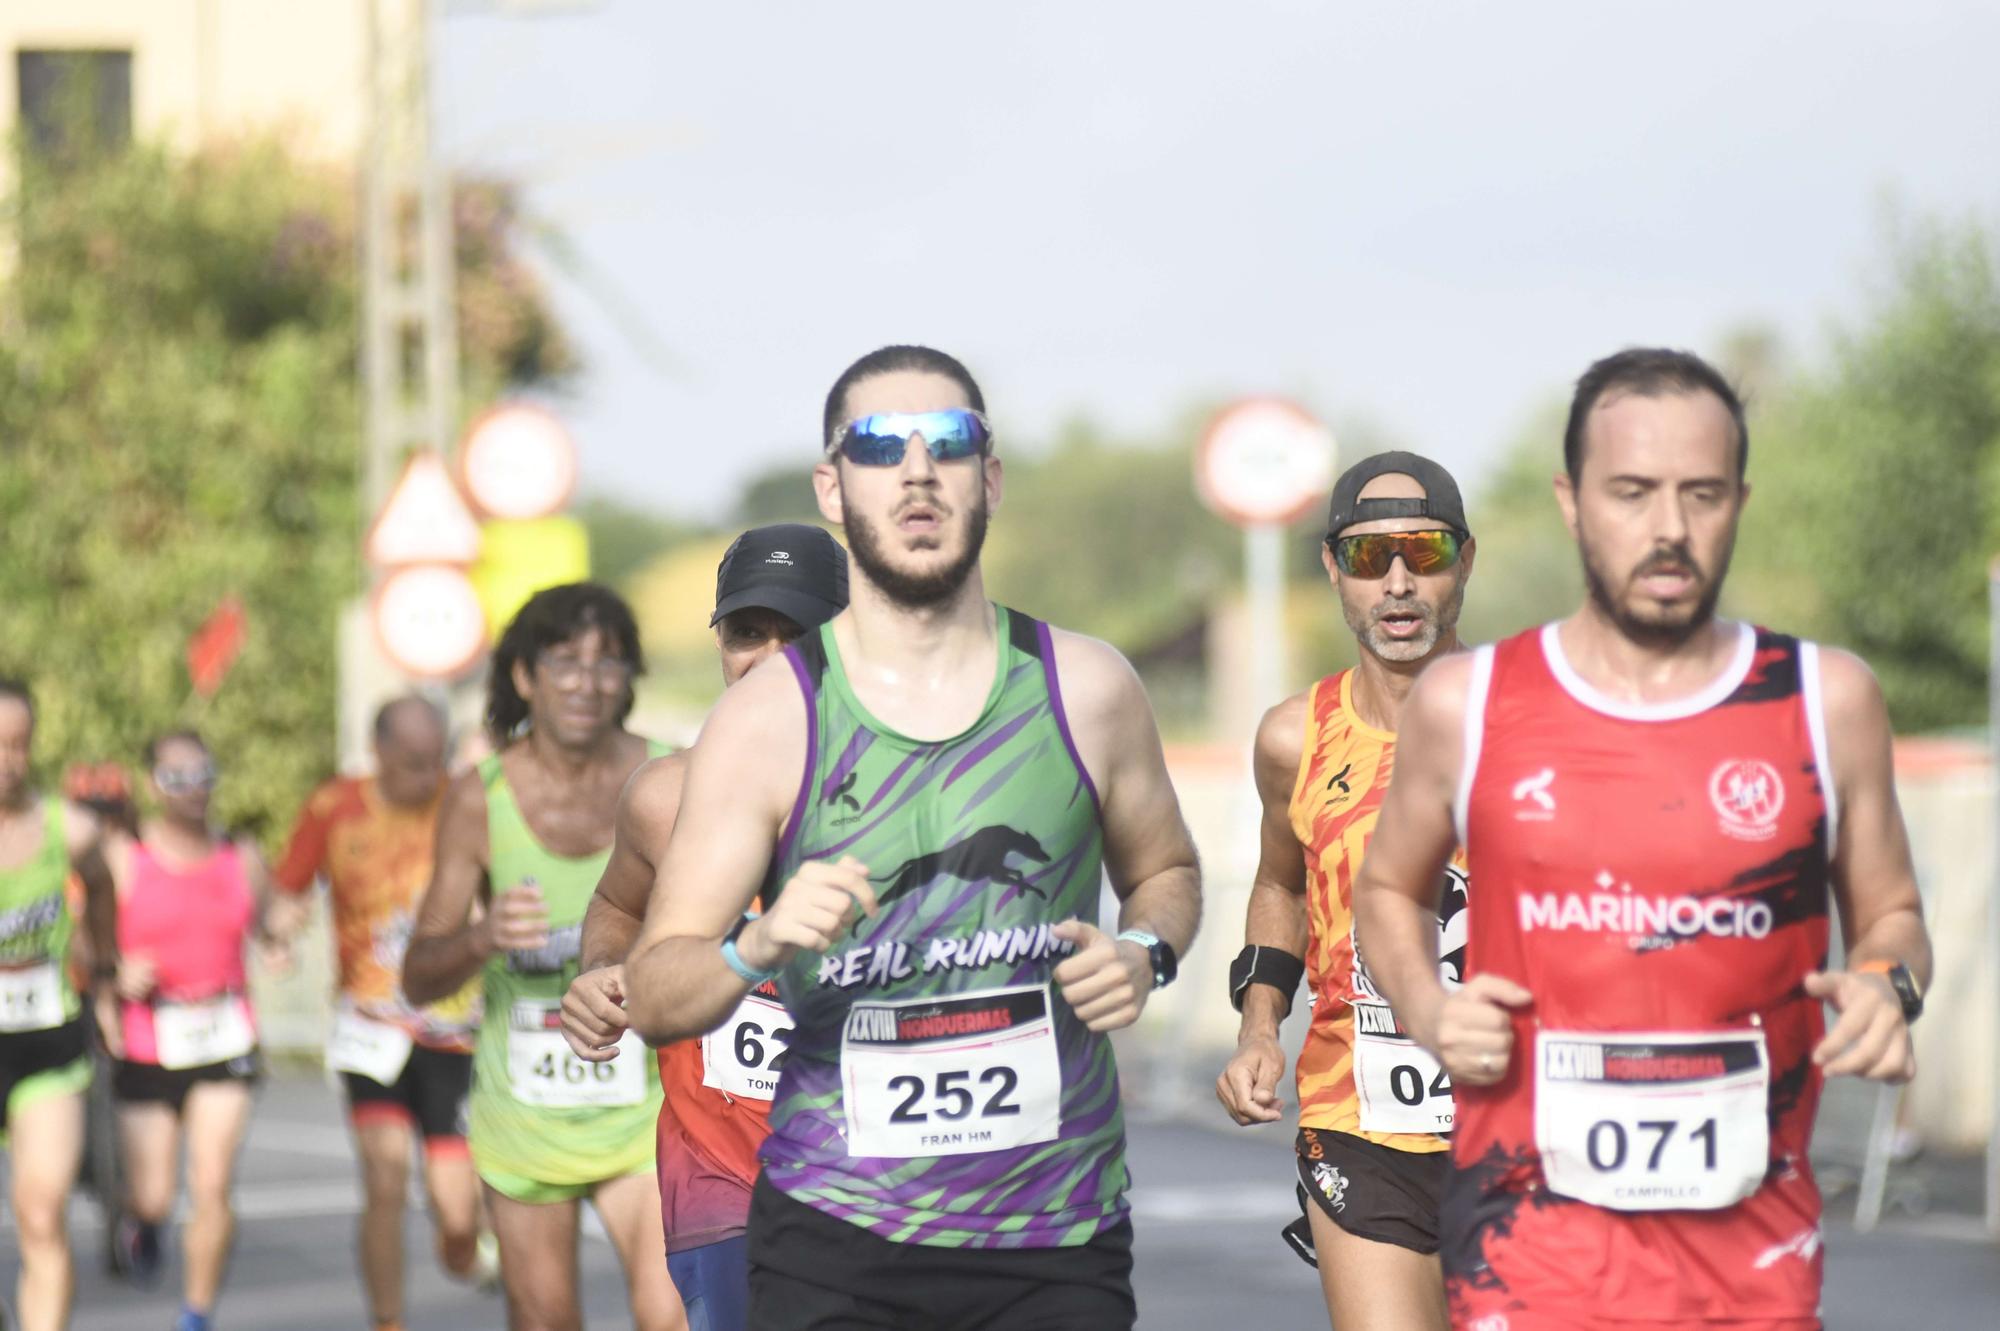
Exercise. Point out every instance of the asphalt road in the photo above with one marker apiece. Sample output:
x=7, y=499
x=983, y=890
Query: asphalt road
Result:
x=1208, y=1204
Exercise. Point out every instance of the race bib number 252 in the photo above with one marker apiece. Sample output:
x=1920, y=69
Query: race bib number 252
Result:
x=951, y=1076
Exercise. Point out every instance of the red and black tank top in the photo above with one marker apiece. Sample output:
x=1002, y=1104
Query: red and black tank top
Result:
x=1643, y=868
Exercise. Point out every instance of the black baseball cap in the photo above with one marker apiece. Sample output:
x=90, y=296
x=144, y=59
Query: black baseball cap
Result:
x=797, y=570
x=1441, y=501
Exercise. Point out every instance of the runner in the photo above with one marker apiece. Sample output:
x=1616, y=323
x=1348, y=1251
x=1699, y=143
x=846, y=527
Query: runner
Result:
x=774, y=583
x=1658, y=807
x=1373, y=1107
x=406, y=1070
x=45, y=1061
x=946, y=1142
x=188, y=899
x=526, y=836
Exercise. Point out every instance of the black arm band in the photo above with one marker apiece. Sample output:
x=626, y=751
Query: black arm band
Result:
x=1264, y=965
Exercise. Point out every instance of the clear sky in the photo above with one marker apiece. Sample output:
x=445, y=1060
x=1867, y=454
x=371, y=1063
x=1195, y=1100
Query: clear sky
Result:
x=1429, y=216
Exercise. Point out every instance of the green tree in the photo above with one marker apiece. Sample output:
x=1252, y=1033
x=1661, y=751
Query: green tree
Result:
x=179, y=424
x=1874, y=511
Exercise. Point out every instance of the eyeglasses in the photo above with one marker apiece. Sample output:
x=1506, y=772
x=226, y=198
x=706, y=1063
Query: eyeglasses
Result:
x=1372, y=555
x=606, y=672
x=880, y=440
x=184, y=780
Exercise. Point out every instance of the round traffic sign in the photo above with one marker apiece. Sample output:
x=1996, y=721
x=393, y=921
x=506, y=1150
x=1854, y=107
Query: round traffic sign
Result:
x=428, y=620
x=518, y=462
x=1264, y=462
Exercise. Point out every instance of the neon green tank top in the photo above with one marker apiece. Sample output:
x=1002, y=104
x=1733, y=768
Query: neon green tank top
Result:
x=540, y=1115
x=35, y=923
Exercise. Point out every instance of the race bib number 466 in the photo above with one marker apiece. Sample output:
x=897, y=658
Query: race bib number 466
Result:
x=1651, y=1122
x=951, y=1076
x=543, y=1070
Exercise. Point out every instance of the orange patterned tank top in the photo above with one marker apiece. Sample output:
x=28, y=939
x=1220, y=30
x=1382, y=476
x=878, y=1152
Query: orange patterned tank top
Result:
x=1358, y=1072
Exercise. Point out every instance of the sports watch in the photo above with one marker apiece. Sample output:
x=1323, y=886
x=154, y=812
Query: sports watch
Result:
x=1908, y=991
x=1165, y=964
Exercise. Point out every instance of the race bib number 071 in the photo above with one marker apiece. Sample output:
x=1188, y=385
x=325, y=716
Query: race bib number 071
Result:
x=951, y=1076
x=1653, y=1122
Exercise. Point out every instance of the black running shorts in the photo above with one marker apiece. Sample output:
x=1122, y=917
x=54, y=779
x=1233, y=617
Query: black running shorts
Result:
x=429, y=1095
x=149, y=1083
x=1369, y=1190
x=815, y=1272
x=31, y=1053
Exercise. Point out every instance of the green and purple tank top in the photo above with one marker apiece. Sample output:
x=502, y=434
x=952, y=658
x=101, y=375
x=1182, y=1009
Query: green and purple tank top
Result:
x=937, y=1089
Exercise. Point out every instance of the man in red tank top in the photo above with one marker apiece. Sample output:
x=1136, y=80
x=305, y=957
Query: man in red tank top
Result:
x=774, y=583
x=1660, y=809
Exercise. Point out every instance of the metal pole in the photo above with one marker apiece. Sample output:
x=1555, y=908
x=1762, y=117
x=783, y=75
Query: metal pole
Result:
x=1993, y=898
x=1264, y=567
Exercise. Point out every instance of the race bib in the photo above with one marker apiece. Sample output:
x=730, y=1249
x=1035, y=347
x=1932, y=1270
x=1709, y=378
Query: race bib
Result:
x=951, y=1076
x=544, y=1071
x=1651, y=1122
x=31, y=999
x=742, y=1057
x=1401, y=1087
x=373, y=1049
x=197, y=1035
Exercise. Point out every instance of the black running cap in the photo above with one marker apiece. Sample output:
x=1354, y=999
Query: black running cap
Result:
x=797, y=570
x=1440, y=502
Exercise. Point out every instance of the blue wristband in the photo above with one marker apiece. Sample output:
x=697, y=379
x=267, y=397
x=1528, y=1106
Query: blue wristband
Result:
x=735, y=962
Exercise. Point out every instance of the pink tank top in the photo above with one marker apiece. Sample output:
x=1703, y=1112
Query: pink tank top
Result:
x=192, y=923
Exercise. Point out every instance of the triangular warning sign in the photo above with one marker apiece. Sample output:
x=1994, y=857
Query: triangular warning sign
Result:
x=425, y=521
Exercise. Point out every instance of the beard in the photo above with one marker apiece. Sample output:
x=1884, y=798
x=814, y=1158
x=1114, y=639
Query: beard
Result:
x=1661, y=628
x=911, y=589
x=1439, y=622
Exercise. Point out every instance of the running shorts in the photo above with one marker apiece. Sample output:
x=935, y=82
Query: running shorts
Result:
x=430, y=1096
x=1370, y=1190
x=809, y=1271
x=149, y=1083
x=38, y=1063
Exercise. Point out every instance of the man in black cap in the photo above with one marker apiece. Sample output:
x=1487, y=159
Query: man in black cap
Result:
x=1374, y=1108
x=773, y=584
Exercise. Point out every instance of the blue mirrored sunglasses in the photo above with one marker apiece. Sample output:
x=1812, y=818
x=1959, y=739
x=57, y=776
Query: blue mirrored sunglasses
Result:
x=879, y=441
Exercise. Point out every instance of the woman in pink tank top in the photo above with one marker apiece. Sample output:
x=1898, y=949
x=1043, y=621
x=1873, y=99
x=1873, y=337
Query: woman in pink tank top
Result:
x=188, y=901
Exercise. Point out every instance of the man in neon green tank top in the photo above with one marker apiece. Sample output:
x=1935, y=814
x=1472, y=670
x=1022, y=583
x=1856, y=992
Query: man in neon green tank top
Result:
x=925, y=794
x=526, y=837
x=44, y=1049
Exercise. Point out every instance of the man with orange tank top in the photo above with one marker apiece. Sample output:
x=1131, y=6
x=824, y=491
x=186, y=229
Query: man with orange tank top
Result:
x=1661, y=809
x=406, y=1070
x=774, y=583
x=1373, y=1106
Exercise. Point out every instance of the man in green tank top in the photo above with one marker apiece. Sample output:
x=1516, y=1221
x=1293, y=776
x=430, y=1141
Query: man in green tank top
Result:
x=44, y=1048
x=924, y=794
x=525, y=837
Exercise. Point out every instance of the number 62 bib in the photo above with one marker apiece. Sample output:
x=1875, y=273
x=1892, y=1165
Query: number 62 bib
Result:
x=951, y=1075
x=743, y=1056
x=1653, y=1122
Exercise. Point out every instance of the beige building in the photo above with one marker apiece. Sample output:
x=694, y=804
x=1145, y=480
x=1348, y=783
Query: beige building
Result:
x=190, y=71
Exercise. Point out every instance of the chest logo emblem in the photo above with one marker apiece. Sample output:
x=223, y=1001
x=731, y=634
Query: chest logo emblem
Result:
x=1533, y=803
x=1749, y=795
